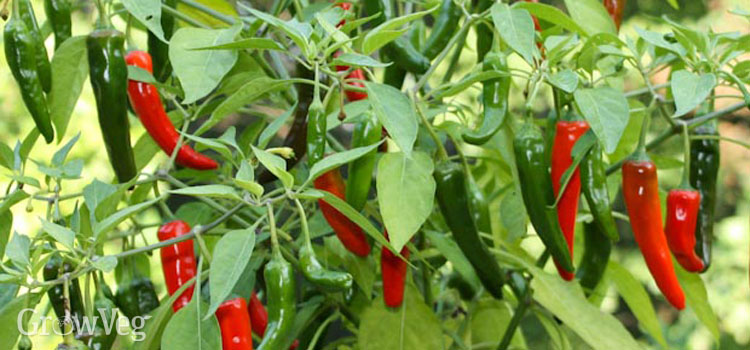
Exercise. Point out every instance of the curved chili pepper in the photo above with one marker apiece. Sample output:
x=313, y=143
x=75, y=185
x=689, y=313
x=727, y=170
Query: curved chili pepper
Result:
x=616, y=8
x=258, y=315
x=280, y=289
x=349, y=233
x=495, y=94
x=359, y=181
x=393, y=270
x=58, y=15
x=20, y=52
x=443, y=29
x=146, y=102
x=177, y=261
x=454, y=203
x=101, y=339
x=566, y=136
x=55, y=268
x=484, y=31
x=640, y=187
x=234, y=321
x=315, y=272
x=682, y=215
x=537, y=192
x=158, y=49
x=597, y=248
x=109, y=80
x=594, y=188
x=705, y=157
x=43, y=66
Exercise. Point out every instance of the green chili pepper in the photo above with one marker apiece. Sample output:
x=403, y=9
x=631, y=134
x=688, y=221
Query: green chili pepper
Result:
x=58, y=15
x=317, y=127
x=443, y=29
x=158, y=49
x=109, y=80
x=454, y=202
x=394, y=75
x=480, y=208
x=20, y=52
x=280, y=293
x=484, y=31
x=595, y=257
x=55, y=269
x=594, y=188
x=401, y=51
x=25, y=343
x=537, y=193
x=332, y=281
x=105, y=308
x=136, y=296
x=705, y=157
x=495, y=94
x=366, y=132
x=43, y=67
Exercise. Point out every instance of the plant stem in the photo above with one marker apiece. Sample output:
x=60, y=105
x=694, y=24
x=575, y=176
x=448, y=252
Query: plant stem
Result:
x=523, y=305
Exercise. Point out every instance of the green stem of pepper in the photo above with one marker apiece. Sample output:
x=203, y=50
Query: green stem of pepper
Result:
x=523, y=304
x=442, y=153
x=303, y=222
x=685, y=183
x=272, y=228
x=68, y=337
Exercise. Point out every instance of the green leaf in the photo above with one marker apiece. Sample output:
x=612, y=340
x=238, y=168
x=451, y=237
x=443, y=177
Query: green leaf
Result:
x=452, y=89
x=513, y=216
x=607, y=111
x=245, y=178
x=675, y=5
x=552, y=15
x=276, y=165
x=115, y=219
x=6, y=223
x=629, y=139
x=9, y=318
x=657, y=39
x=406, y=194
x=105, y=264
x=412, y=326
x=59, y=157
x=201, y=71
x=690, y=90
x=389, y=31
x=216, y=191
x=70, y=69
x=338, y=159
x=298, y=32
x=61, y=234
x=396, y=112
x=565, y=80
x=453, y=253
x=12, y=199
x=357, y=60
x=231, y=255
x=96, y=192
x=362, y=269
x=635, y=295
x=270, y=131
x=591, y=15
x=697, y=299
x=489, y=322
x=248, y=43
x=516, y=28
x=17, y=250
x=189, y=328
x=148, y=13
x=140, y=74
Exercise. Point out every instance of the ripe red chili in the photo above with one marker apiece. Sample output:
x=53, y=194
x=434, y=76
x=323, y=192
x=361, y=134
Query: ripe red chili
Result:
x=640, y=186
x=234, y=321
x=177, y=261
x=394, y=275
x=348, y=232
x=346, y=6
x=682, y=216
x=566, y=136
x=258, y=315
x=146, y=102
x=358, y=74
x=615, y=9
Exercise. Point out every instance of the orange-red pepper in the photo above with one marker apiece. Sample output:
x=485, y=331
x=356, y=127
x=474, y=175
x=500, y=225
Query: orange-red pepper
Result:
x=348, y=232
x=393, y=270
x=177, y=261
x=615, y=9
x=234, y=321
x=682, y=217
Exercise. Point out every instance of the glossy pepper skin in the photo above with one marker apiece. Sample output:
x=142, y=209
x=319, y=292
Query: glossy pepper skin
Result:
x=366, y=133
x=58, y=15
x=234, y=321
x=258, y=315
x=349, y=233
x=484, y=31
x=332, y=281
x=537, y=192
x=640, y=187
x=682, y=216
x=455, y=205
x=594, y=188
x=406, y=56
x=445, y=25
x=177, y=261
x=317, y=127
x=54, y=269
x=146, y=102
x=280, y=289
x=20, y=52
x=616, y=8
x=495, y=94
x=394, y=271
x=100, y=340
x=566, y=136
x=136, y=296
x=109, y=80
x=43, y=66
x=597, y=248
x=158, y=49
x=705, y=157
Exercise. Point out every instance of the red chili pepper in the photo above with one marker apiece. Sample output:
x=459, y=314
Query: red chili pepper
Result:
x=146, y=102
x=258, y=315
x=234, y=321
x=348, y=232
x=346, y=6
x=615, y=9
x=682, y=216
x=177, y=261
x=566, y=136
x=394, y=275
x=640, y=186
x=358, y=74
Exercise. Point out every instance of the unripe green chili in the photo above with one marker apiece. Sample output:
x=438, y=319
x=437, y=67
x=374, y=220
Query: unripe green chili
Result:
x=25, y=343
x=136, y=295
x=480, y=208
x=597, y=248
x=400, y=51
x=55, y=268
x=494, y=98
x=58, y=15
x=43, y=67
x=484, y=31
x=443, y=29
x=20, y=52
x=537, y=192
x=317, y=128
x=109, y=80
x=594, y=188
x=158, y=49
x=280, y=290
x=705, y=156
x=366, y=132
x=329, y=280
x=454, y=202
